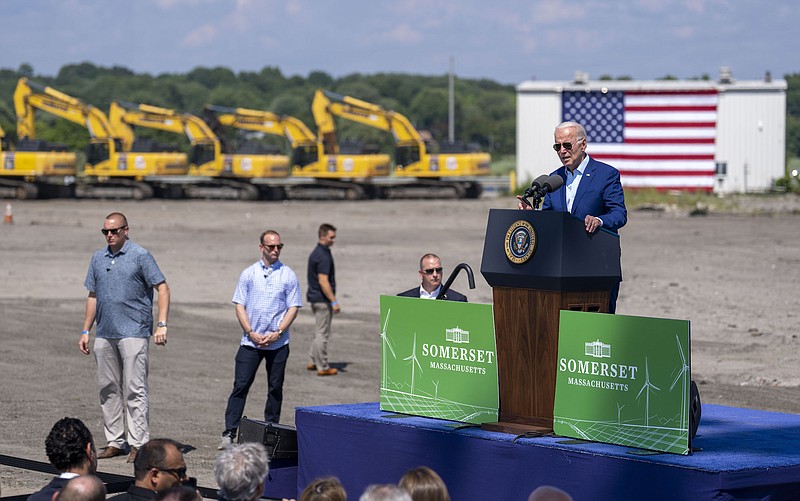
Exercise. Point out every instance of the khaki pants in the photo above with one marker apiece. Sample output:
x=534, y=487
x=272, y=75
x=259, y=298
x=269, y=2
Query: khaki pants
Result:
x=122, y=368
x=322, y=323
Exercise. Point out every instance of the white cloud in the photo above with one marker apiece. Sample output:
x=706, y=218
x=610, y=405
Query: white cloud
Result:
x=403, y=33
x=200, y=37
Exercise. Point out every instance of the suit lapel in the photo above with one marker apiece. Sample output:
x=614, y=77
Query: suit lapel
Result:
x=588, y=177
x=562, y=192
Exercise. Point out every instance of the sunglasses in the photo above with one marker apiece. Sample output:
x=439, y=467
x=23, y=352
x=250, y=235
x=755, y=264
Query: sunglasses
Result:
x=429, y=271
x=272, y=247
x=567, y=146
x=113, y=231
x=179, y=472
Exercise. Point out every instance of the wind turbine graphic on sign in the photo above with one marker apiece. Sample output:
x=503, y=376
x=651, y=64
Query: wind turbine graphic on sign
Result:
x=647, y=386
x=413, y=362
x=386, y=343
x=682, y=375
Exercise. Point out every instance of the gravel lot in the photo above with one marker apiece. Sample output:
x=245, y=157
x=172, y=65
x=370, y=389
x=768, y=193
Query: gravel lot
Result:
x=734, y=274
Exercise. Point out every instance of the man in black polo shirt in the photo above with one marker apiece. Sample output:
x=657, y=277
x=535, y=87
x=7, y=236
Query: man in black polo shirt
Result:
x=321, y=294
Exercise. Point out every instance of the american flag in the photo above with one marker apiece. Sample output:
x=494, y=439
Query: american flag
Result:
x=656, y=139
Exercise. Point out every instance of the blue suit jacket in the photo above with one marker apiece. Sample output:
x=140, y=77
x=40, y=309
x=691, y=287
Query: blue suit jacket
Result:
x=599, y=194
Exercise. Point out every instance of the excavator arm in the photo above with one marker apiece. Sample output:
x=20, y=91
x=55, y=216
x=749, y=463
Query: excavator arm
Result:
x=206, y=151
x=294, y=130
x=412, y=158
x=328, y=104
x=410, y=147
x=30, y=96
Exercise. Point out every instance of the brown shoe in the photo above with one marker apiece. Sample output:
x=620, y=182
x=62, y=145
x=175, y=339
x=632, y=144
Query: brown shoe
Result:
x=133, y=454
x=110, y=452
x=311, y=367
x=328, y=372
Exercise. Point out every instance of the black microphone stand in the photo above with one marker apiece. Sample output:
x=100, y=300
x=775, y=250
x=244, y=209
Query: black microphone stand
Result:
x=537, y=198
x=452, y=277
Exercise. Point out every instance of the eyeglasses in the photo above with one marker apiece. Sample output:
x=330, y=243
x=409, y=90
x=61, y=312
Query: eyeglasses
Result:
x=178, y=472
x=113, y=231
x=430, y=271
x=567, y=146
x=272, y=247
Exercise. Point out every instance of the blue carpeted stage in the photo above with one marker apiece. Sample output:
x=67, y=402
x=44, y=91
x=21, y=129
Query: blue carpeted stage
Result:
x=744, y=455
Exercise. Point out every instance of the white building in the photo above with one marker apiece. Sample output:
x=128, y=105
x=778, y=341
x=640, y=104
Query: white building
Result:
x=726, y=136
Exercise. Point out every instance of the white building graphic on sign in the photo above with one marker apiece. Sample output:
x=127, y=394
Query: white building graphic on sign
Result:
x=457, y=335
x=597, y=349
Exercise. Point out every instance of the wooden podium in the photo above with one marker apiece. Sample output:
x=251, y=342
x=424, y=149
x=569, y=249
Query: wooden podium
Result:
x=562, y=268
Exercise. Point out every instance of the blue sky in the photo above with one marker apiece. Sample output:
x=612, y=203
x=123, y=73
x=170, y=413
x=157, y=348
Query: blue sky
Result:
x=504, y=40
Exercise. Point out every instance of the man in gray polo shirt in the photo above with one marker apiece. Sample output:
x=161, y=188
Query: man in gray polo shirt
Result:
x=120, y=282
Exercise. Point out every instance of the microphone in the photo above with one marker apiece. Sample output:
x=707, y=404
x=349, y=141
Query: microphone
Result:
x=536, y=185
x=551, y=184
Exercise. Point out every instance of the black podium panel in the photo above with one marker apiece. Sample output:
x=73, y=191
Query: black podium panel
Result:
x=566, y=257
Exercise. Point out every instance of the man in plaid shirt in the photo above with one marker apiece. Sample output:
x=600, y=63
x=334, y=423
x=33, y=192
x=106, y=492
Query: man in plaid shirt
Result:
x=266, y=299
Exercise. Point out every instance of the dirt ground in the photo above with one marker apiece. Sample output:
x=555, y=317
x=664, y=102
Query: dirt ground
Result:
x=734, y=275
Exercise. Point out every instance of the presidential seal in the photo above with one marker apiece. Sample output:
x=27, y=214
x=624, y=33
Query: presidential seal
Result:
x=520, y=243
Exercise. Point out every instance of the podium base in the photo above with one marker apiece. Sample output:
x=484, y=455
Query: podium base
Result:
x=517, y=428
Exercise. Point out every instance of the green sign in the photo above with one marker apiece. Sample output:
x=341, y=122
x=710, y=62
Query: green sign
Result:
x=624, y=380
x=438, y=359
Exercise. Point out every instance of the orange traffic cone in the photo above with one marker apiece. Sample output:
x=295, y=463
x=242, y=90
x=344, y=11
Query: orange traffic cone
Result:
x=9, y=217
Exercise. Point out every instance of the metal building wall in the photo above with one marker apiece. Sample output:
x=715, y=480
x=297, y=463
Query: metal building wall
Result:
x=538, y=113
x=751, y=137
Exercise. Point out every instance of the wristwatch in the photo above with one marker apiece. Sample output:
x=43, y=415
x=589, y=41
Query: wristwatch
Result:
x=162, y=324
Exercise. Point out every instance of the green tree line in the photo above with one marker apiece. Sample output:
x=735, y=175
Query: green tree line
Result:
x=485, y=111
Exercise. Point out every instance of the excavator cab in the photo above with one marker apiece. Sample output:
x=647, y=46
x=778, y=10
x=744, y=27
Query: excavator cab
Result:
x=201, y=153
x=97, y=152
x=304, y=155
x=406, y=155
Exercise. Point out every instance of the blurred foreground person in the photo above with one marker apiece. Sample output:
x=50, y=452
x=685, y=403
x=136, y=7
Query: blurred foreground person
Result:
x=83, y=488
x=424, y=484
x=159, y=466
x=179, y=493
x=240, y=471
x=549, y=493
x=324, y=489
x=385, y=492
x=70, y=448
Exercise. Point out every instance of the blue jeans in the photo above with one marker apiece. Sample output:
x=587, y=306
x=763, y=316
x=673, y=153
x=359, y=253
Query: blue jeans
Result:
x=247, y=361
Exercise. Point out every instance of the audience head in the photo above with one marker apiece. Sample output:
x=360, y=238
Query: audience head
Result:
x=549, y=493
x=179, y=493
x=70, y=447
x=83, y=488
x=424, y=484
x=324, y=489
x=240, y=471
x=385, y=492
x=159, y=465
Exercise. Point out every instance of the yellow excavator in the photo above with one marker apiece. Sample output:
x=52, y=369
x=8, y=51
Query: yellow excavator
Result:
x=212, y=173
x=437, y=174
x=33, y=169
x=329, y=174
x=110, y=170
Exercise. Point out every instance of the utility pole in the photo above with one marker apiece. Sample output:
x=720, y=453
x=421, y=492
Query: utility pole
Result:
x=451, y=114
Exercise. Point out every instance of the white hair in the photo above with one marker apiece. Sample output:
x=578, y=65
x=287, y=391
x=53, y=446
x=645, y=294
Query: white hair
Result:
x=573, y=125
x=240, y=471
x=385, y=492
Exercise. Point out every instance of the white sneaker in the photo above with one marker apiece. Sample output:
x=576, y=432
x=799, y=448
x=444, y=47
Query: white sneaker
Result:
x=226, y=441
